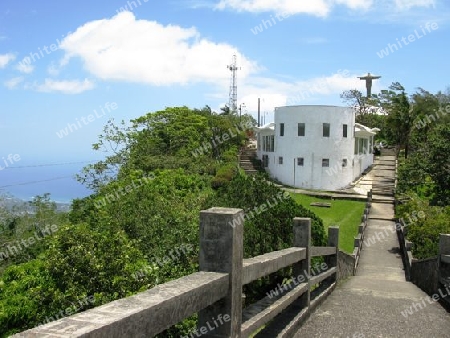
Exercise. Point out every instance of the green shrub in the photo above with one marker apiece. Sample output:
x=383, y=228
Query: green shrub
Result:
x=424, y=225
x=224, y=175
x=80, y=264
x=265, y=229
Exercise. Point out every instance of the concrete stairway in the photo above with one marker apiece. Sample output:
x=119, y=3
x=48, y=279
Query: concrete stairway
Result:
x=378, y=301
x=249, y=162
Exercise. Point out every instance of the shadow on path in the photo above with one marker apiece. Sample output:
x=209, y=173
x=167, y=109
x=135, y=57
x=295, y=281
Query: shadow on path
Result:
x=378, y=301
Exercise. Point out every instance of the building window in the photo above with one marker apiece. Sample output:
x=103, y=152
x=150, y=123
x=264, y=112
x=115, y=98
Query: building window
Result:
x=344, y=163
x=344, y=130
x=280, y=160
x=268, y=143
x=300, y=161
x=265, y=161
x=361, y=149
x=301, y=129
x=281, y=129
x=326, y=130
x=325, y=162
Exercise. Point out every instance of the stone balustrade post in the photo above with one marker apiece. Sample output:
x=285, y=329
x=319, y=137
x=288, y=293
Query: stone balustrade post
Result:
x=333, y=241
x=221, y=250
x=302, y=239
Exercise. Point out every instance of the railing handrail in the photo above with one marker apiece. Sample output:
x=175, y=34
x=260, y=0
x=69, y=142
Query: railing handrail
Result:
x=214, y=292
x=359, y=239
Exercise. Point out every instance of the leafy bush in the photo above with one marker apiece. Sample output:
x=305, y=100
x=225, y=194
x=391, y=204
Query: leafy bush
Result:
x=134, y=233
x=81, y=263
x=271, y=229
x=424, y=225
x=26, y=297
x=224, y=175
x=265, y=229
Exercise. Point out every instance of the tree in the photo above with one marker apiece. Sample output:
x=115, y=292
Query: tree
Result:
x=439, y=163
x=424, y=106
x=354, y=98
x=225, y=110
x=425, y=223
x=368, y=110
x=426, y=171
x=177, y=137
x=268, y=230
x=115, y=141
x=400, y=116
x=363, y=105
x=8, y=221
x=248, y=192
x=81, y=263
x=32, y=220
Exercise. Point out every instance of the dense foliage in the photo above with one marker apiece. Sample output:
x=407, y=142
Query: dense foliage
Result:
x=418, y=126
x=424, y=176
x=140, y=227
x=269, y=230
x=424, y=224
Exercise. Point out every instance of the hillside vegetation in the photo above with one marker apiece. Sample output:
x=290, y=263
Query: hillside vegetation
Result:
x=418, y=126
x=140, y=227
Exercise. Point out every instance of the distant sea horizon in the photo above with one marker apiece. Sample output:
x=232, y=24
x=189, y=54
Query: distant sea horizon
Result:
x=26, y=182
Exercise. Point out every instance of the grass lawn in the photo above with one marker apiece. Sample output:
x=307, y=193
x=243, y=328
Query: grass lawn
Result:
x=344, y=213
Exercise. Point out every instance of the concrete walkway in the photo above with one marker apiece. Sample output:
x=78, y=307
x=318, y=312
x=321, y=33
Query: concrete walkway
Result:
x=371, y=303
x=358, y=189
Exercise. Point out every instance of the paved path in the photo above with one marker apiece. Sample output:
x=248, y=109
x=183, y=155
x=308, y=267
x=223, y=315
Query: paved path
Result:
x=370, y=304
x=358, y=189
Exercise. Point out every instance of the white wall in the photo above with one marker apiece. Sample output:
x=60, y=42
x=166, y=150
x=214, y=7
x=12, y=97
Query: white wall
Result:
x=313, y=147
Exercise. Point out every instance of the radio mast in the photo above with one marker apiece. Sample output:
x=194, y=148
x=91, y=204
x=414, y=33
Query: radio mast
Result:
x=233, y=86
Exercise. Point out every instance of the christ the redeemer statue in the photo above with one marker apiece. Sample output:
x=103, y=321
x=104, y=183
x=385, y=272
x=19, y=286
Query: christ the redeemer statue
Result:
x=369, y=79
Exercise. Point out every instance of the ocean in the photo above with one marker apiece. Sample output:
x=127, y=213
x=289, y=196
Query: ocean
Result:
x=25, y=182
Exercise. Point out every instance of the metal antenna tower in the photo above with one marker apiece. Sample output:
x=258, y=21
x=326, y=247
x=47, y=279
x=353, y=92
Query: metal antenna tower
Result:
x=233, y=86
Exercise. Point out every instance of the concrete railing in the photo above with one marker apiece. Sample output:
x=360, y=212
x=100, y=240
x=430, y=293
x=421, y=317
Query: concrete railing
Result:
x=359, y=239
x=215, y=293
x=405, y=247
x=431, y=274
x=443, y=263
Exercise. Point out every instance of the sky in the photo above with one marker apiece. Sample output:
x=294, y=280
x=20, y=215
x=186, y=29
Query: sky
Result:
x=66, y=67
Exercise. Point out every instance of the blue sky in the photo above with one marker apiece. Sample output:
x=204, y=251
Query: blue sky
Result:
x=69, y=62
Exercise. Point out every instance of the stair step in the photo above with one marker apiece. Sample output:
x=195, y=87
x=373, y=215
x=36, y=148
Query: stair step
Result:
x=247, y=157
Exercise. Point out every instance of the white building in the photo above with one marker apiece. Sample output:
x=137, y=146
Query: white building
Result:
x=315, y=147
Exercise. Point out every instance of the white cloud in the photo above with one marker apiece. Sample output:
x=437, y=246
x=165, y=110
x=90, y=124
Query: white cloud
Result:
x=14, y=82
x=314, y=40
x=5, y=59
x=407, y=4
x=53, y=69
x=319, y=8
x=277, y=92
x=66, y=87
x=410, y=13
x=311, y=91
x=25, y=66
x=355, y=4
x=126, y=49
